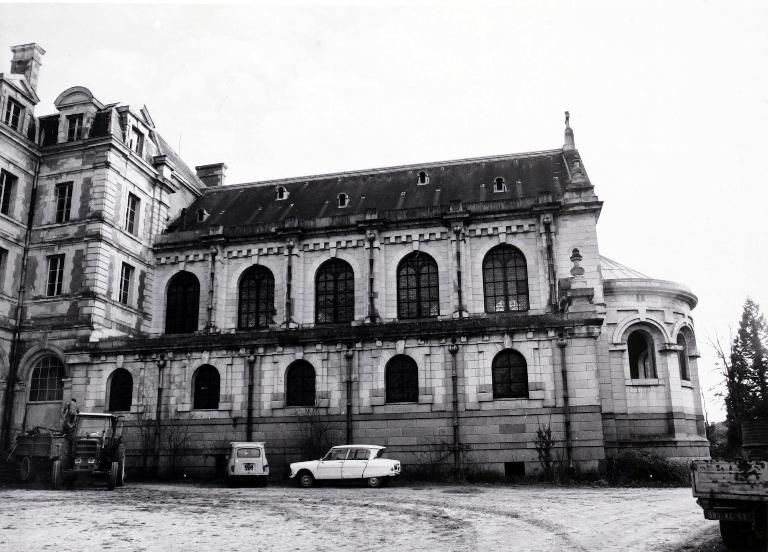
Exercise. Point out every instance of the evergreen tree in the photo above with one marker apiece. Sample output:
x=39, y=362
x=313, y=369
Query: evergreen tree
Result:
x=746, y=383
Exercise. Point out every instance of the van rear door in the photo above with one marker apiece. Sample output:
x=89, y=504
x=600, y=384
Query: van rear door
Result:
x=249, y=461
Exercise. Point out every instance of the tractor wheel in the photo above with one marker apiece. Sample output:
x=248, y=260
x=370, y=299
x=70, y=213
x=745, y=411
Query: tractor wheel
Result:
x=112, y=481
x=305, y=480
x=121, y=466
x=26, y=469
x=56, y=475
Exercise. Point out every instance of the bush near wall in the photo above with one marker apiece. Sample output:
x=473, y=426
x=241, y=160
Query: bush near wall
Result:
x=643, y=468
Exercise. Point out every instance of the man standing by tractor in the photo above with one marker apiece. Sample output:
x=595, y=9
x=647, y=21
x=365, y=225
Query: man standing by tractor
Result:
x=69, y=416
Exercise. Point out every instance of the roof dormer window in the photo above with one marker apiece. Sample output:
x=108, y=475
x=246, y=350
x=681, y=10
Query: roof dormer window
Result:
x=12, y=116
x=137, y=141
x=423, y=178
x=202, y=214
x=499, y=185
x=343, y=200
x=282, y=193
x=75, y=128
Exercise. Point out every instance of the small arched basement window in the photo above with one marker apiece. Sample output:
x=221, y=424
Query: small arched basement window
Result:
x=205, y=388
x=300, y=384
x=642, y=363
x=343, y=200
x=120, y=391
x=47, y=380
x=682, y=358
x=509, y=372
x=402, y=379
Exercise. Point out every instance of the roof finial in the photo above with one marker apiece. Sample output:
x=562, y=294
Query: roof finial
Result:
x=569, y=143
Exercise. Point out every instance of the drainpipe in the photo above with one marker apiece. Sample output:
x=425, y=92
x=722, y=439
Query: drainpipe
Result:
x=14, y=359
x=249, y=419
x=457, y=233
x=289, y=284
x=211, y=282
x=348, y=354
x=562, y=343
x=159, y=409
x=453, y=348
x=550, y=260
x=371, y=237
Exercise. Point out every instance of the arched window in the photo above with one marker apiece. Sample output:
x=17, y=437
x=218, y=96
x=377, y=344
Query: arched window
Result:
x=334, y=293
x=300, y=384
x=499, y=185
x=256, y=298
x=682, y=358
x=505, y=280
x=205, y=388
x=343, y=200
x=417, y=287
x=423, y=178
x=182, y=304
x=642, y=363
x=402, y=379
x=120, y=391
x=47, y=380
x=510, y=375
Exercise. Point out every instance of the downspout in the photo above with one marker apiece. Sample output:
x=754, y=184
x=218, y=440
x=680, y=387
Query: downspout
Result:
x=371, y=237
x=550, y=260
x=348, y=354
x=249, y=419
x=14, y=359
x=159, y=409
x=211, y=282
x=562, y=343
x=457, y=233
x=289, y=285
x=453, y=348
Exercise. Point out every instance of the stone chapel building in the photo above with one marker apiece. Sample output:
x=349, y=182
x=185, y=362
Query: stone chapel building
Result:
x=444, y=309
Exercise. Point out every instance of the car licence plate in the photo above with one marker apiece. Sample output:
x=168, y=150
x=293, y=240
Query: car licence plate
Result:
x=249, y=466
x=727, y=515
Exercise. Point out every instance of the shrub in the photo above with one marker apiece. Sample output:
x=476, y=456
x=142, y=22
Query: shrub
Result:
x=643, y=468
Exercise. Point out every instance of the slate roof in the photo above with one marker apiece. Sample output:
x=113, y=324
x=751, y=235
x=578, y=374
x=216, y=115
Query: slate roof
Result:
x=612, y=270
x=181, y=167
x=526, y=176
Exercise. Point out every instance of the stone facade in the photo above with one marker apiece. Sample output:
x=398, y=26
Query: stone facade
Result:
x=607, y=355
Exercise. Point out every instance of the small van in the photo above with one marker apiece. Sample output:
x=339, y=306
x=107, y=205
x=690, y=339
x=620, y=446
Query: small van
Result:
x=247, y=462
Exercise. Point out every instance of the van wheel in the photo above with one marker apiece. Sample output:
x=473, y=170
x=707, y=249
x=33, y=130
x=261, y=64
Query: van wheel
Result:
x=306, y=480
x=735, y=534
x=373, y=482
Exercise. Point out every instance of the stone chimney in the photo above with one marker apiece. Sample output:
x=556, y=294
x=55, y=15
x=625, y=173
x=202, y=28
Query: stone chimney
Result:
x=212, y=175
x=26, y=61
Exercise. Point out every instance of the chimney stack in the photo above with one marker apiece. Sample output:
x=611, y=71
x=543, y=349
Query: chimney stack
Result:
x=26, y=61
x=212, y=175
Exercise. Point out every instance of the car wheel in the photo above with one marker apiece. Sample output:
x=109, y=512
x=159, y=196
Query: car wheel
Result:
x=373, y=482
x=306, y=480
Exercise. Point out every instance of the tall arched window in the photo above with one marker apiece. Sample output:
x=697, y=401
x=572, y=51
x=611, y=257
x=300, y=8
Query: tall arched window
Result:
x=505, y=280
x=120, y=390
x=205, y=388
x=418, y=294
x=256, y=298
x=402, y=379
x=682, y=358
x=182, y=304
x=510, y=375
x=300, y=384
x=47, y=380
x=334, y=293
x=642, y=363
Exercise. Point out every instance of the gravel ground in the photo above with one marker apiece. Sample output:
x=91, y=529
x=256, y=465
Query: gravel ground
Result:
x=144, y=517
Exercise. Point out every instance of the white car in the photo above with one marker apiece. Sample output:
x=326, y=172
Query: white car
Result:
x=345, y=463
x=247, y=461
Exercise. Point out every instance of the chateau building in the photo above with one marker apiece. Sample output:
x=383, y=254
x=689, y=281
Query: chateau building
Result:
x=445, y=310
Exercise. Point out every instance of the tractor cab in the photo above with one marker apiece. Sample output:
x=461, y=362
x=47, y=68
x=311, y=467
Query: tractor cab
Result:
x=95, y=442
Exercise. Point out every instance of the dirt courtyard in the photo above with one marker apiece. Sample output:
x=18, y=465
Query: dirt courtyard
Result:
x=163, y=517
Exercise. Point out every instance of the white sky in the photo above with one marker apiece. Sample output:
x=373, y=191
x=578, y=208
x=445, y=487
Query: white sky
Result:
x=669, y=103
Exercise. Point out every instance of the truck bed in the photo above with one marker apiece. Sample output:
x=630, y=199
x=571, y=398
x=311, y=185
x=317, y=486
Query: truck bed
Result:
x=730, y=480
x=45, y=445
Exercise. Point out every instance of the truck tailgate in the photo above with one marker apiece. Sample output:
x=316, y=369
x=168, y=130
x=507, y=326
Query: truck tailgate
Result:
x=741, y=480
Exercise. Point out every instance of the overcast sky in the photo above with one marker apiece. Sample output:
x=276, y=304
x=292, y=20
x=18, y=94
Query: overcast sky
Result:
x=669, y=103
